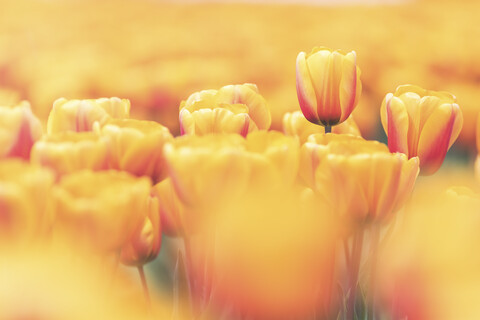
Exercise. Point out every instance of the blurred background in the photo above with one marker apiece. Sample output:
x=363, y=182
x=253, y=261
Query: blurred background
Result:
x=156, y=53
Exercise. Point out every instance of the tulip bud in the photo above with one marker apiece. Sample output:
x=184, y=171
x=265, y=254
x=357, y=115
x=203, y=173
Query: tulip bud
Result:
x=328, y=85
x=19, y=129
x=421, y=123
x=146, y=241
x=80, y=115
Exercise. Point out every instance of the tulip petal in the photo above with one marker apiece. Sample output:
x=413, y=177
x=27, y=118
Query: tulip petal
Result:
x=396, y=124
x=305, y=90
x=349, y=85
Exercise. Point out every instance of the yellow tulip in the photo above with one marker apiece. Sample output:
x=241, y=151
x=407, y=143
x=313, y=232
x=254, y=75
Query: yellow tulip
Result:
x=136, y=146
x=295, y=124
x=80, y=115
x=145, y=243
x=421, y=123
x=66, y=152
x=101, y=209
x=361, y=179
x=19, y=129
x=25, y=210
x=328, y=85
x=231, y=109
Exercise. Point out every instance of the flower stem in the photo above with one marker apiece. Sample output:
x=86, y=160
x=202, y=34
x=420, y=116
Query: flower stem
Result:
x=145, y=287
x=354, y=272
x=373, y=270
x=328, y=129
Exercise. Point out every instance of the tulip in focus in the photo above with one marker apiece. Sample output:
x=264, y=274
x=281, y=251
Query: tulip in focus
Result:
x=101, y=209
x=80, y=115
x=136, y=146
x=19, y=129
x=295, y=124
x=231, y=109
x=328, y=85
x=421, y=123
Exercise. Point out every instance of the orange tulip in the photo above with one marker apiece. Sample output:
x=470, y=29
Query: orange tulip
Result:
x=328, y=85
x=102, y=209
x=421, y=123
x=136, y=146
x=295, y=124
x=145, y=243
x=80, y=115
x=19, y=129
x=361, y=179
x=67, y=152
x=231, y=109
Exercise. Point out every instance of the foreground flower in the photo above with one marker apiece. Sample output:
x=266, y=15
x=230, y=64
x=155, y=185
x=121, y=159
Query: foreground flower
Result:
x=25, y=212
x=421, y=123
x=144, y=245
x=102, y=209
x=231, y=109
x=136, y=146
x=295, y=124
x=80, y=115
x=67, y=152
x=328, y=85
x=361, y=179
x=19, y=129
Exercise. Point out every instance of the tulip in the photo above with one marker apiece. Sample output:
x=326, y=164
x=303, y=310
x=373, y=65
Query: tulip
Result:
x=67, y=152
x=361, y=179
x=328, y=85
x=421, y=123
x=25, y=213
x=295, y=124
x=136, y=146
x=101, y=208
x=19, y=129
x=80, y=115
x=145, y=243
x=231, y=109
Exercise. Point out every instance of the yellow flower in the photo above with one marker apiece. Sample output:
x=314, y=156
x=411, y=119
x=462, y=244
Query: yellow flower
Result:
x=361, y=179
x=136, y=146
x=25, y=211
x=145, y=243
x=66, y=152
x=19, y=129
x=295, y=124
x=421, y=123
x=231, y=109
x=80, y=115
x=328, y=85
x=102, y=209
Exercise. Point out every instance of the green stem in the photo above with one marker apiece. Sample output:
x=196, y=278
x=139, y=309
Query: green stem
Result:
x=354, y=272
x=373, y=271
x=328, y=129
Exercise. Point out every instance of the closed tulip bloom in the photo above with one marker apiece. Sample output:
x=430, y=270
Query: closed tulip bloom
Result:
x=101, y=209
x=421, y=123
x=361, y=179
x=25, y=210
x=19, y=129
x=136, y=146
x=67, y=152
x=244, y=108
x=145, y=243
x=295, y=124
x=80, y=115
x=328, y=85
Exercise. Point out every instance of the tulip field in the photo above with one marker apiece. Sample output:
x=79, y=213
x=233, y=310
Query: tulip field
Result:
x=239, y=160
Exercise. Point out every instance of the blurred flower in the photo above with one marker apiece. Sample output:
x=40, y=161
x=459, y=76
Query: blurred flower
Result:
x=25, y=211
x=80, y=115
x=145, y=243
x=171, y=209
x=295, y=124
x=136, y=146
x=103, y=209
x=328, y=85
x=19, y=129
x=421, y=123
x=9, y=97
x=67, y=152
x=361, y=179
x=231, y=109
